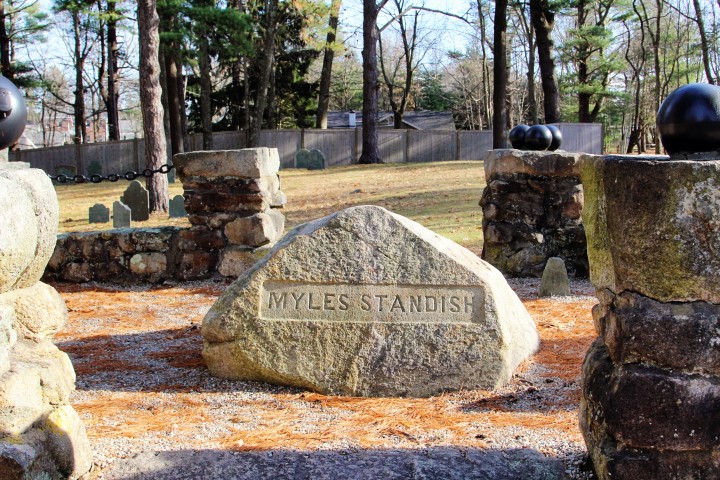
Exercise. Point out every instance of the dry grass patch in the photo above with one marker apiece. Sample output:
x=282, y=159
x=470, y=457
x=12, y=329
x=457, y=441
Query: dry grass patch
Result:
x=442, y=196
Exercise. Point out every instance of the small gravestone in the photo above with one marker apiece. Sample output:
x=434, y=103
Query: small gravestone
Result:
x=121, y=215
x=316, y=160
x=302, y=158
x=98, y=213
x=94, y=168
x=554, y=279
x=177, y=207
x=138, y=199
x=366, y=302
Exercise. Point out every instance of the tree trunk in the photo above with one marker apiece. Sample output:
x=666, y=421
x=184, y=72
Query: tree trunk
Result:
x=79, y=103
x=150, y=98
x=264, y=70
x=5, y=64
x=113, y=118
x=500, y=80
x=485, y=68
x=326, y=73
x=173, y=99
x=205, y=92
x=270, y=111
x=703, y=41
x=371, y=86
x=543, y=20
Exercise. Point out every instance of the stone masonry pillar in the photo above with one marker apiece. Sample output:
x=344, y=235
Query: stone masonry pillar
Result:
x=531, y=212
x=650, y=404
x=231, y=197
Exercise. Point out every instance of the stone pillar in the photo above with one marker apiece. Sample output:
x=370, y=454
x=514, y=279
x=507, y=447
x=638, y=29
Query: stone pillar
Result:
x=531, y=212
x=650, y=404
x=41, y=435
x=231, y=197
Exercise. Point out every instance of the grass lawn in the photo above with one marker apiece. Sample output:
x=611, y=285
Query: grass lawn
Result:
x=442, y=196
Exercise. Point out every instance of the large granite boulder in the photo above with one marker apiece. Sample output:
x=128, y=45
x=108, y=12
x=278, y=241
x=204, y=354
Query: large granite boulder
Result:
x=366, y=302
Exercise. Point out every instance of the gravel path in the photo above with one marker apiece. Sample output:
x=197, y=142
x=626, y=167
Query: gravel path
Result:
x=152, y=410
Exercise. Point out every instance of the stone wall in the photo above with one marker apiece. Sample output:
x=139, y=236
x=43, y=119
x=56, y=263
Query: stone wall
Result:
x=41, y=435
x=532, y=211
x=232, y=198
x=651, y=381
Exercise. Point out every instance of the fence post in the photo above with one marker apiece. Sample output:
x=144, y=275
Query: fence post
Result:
x=136, y=153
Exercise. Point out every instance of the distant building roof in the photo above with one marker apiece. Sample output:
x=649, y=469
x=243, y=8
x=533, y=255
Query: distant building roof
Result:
x=416, y=120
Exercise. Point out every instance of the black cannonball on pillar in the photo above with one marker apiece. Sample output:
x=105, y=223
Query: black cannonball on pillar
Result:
x=13, y=113
x=517, y=136
x=688, y=120
x=538, y=137
x=556, y=137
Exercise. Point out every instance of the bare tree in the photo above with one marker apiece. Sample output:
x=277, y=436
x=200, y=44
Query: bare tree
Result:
x=371, y=86
x=500, y=79
x=150, y=97
x=543, y=20
x=265, y=65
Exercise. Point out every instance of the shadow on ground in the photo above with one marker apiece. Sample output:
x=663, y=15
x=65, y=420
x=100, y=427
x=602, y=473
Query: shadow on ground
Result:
x=439, y=463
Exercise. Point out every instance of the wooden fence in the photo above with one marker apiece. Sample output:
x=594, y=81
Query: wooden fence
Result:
x=340, y=147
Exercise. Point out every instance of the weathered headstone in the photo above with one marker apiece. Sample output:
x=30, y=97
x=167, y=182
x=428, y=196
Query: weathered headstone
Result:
x=94, y=168
x=302, y=158
x=177, y=207
x=554, y=280
x=121, y=215
x=366, y=302
x=98, y=213
x=316, y=160
x=138, y=199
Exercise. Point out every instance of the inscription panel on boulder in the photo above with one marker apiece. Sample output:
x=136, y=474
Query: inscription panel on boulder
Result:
x=371, y=303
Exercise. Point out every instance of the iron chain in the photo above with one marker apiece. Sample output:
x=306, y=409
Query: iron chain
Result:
x=113, y=177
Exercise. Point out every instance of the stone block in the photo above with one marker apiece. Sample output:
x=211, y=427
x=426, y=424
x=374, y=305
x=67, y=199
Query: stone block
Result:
x=21, y=398
x=554, y=280
x=256, y=230
x=235, y=260
x=643, y=407
x=40, y=311
x=16, y=460
x=77, y=272
x=68, y=442
x=137, y=198
x=199, y=239
x=661, y=239
x=19, y=235
x=366, y=302
x=195, y=265
x=246, y=163
x=98, y=213
x=148, y=263
x=152, y=239
x=225, y=202
x=678, y=335
x=531, y=162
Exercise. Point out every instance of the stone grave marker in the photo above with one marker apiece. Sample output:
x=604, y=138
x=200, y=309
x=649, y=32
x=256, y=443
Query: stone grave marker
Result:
x=138, y=199
x=302, y=158
x=177, y=207
x=554, y=280
x=365, y=302
x=316, y=160
x=121, y=215
x=98, y=213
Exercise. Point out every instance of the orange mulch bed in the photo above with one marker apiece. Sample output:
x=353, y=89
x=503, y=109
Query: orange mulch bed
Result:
x=142, y=385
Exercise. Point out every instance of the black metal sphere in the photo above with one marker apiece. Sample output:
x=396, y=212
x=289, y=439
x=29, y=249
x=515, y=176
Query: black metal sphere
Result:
x=538, y=137
x=688, y=120
x=13, y=113
x=556, y=137
x=517, y=136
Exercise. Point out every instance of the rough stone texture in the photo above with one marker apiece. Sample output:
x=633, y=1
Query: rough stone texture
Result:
x=246, y=163
x=651, y=389
x=148, y=263
x=137, y=198
x=668, y=209
x=39, y=311
x=554, y=279
x=26, y=242
x=678, y=336
x=122, y=215
x=98, y=213
x=235, y=260
x=41, y=436
x=8, y=336
x=330, y=309
x=532, y=211
x=256, y=230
